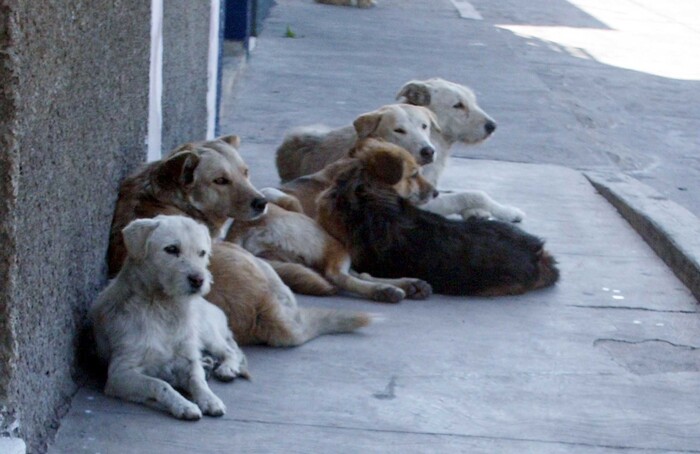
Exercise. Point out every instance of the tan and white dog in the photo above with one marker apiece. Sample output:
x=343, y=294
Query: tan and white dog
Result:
x=309, y=149
x=208, y=181
x=310, y=260
x=152, y=323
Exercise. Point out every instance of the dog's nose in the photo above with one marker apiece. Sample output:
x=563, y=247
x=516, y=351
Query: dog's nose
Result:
x=490, y=127
x=427, y=154
x=196, y=281
x=435, y=193
x=258, y=204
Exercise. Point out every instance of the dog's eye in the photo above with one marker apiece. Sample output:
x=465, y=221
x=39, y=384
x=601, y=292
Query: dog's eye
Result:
x=172, y=249
x=246, y=172
x=202, y=253
x=415, y=174
x=222, y=181
x=400, y=131
x=424, y=126
x=459, y=105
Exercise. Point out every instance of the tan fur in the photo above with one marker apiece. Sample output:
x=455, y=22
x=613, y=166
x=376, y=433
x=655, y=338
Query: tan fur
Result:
x=208, y=181
x=311, y=261
x=310, y=149
x=306, y=189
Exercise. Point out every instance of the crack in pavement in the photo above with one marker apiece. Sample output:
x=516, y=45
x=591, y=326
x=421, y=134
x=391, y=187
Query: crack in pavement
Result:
x=635, y=308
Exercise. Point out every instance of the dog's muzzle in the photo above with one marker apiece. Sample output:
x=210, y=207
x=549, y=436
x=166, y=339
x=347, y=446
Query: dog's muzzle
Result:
x=427, y=155
x=196, y=282
x=490, y=127
x=258, y=205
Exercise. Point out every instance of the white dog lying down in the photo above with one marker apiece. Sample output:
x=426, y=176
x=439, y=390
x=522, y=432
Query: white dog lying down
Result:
x=152, y=324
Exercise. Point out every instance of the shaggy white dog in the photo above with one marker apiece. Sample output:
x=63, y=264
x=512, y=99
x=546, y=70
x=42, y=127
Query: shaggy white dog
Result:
x=152, y=324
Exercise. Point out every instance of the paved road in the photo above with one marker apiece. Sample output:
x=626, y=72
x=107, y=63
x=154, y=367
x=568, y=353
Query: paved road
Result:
x=608, y=84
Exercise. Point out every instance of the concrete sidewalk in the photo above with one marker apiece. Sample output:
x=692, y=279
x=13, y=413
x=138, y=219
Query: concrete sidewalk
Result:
x=606, y=361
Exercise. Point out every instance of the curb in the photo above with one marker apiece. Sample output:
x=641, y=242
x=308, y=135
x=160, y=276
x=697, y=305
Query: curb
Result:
x=672, y=231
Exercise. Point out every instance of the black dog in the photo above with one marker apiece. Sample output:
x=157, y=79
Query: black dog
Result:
x=389, y=237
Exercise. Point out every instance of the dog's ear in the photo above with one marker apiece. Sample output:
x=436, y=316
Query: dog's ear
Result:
x=384, y=166
x=178, y=170
x=433, y=121
x=415, y=92
x=136, y=237
x=366, y=124
x=232, y=140
x=184, y=147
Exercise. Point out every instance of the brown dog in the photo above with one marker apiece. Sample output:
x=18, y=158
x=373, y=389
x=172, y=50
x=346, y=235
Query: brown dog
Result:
x=208, y=181
x=389, y=236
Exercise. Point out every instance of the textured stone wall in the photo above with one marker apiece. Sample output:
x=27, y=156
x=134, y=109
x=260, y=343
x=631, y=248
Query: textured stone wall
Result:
x=74, y=106
x=185, y=58
x=74, y=95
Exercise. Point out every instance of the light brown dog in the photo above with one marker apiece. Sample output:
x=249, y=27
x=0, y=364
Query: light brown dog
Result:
x=305, y=256
x=309, y=149
x=208, y=182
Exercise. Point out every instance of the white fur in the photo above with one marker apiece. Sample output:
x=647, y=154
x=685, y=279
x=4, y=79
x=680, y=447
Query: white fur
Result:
x=466, y=124
x=151, y=323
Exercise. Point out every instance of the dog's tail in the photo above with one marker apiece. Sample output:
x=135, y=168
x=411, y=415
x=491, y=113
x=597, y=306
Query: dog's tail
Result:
x=319, y=321
x=302, y=279
x=296, y=144
x=548, y=273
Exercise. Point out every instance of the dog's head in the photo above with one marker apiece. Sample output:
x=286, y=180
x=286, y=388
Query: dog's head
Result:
x=387, y=164
x=458, y=114
x=171, y=253
x=214, y=179
x=402, y=124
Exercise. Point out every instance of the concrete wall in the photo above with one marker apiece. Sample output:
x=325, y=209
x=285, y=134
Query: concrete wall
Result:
x=74, y=78
x=184, y=71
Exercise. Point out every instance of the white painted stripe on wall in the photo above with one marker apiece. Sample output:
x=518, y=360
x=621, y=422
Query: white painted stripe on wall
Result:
x=466, y=10
x=213, y=67
x=155, y=89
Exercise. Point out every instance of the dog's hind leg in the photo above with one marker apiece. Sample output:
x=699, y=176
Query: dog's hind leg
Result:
x=133, y=385
x=302, y=279
x=416, y=289
x=217, y=339
x=283, y=323
x=337, y=270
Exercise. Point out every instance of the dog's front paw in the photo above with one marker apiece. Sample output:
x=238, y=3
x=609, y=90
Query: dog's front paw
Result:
x=187, y=411
x=235, y=365
x=475, y=213
x=388, y=294
x=211, y=405
x=510, y=214
x=227, y=372
x=418, y=289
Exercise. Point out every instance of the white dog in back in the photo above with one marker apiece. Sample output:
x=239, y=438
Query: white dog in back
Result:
x=152, y=323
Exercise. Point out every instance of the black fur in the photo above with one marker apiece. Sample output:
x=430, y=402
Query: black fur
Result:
x=389, y=237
